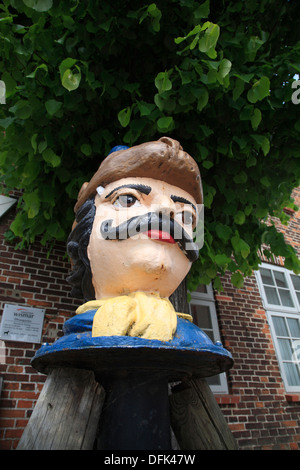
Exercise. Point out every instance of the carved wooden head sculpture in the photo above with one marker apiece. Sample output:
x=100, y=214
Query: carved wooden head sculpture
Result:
x=134, y=223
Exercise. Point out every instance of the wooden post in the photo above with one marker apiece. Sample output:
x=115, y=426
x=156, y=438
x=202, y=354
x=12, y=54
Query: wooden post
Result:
x=197, y=420
x=66, y=415
x=136, y=415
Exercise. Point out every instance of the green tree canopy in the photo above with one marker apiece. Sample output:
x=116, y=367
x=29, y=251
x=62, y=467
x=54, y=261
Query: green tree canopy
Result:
x=84, y=76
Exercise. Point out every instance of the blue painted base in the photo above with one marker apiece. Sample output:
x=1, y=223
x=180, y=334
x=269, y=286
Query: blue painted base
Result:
x=191, y=352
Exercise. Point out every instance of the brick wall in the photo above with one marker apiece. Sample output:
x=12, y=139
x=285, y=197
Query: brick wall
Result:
x=35, y=278
x=259, y=412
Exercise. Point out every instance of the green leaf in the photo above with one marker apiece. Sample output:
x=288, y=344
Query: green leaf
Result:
x=50, y=157
x=251, y=161
x=124, y=116
x=224, y=68
x=39, y=67
x=237, y=280
x=39, y=5
x=238, y=89
x=202, y=11
x=33, y=142
x=5, y=123
x=22, y=109
x=70, y=74
x=263, y=142
x=208, y=42
x=256, y=118
x=265, y=181
x=145, y=108
x=162, y=82
x=203, y=97
x=65, y=65
x=223, y=231
x=222, y=260
x=207, y=164
x=155, y=15
x=56, y=231
x=165, y=124
x=252, y=47
x=30, y=172
x=71, y=80
x=32, y=203
x=239, y=218
x=194, y=31
x=52, y=106
x=86, y=149
x=10, y=83
x=245, y=77
x=260, y=89
x=211, y=271
x=42, y=146
x=19, y=224
x=240, y=246
x=240, y=178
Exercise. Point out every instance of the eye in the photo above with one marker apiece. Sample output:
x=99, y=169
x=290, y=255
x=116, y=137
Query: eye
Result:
x=187, y=218
x=126, y=200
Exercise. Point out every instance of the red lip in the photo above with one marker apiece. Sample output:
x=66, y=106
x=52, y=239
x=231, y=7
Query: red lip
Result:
x=160, y=235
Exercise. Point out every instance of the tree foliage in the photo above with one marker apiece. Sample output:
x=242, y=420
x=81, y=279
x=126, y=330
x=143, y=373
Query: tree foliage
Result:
x=83, y=76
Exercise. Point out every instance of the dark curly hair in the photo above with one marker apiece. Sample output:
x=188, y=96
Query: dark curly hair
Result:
x=77, y=243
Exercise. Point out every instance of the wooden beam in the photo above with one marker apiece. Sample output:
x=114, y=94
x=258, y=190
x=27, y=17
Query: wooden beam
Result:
x=66, y=414
x=197, y=420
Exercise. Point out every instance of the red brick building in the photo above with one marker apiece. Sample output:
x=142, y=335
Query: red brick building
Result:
x=259, y=325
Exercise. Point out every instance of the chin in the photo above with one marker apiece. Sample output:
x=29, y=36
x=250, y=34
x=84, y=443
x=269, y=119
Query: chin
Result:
x=156, y=266
x=138, y=265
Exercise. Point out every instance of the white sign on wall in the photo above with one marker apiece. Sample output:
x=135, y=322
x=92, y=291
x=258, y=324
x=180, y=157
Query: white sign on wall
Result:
x=21, y=323
x=6, y=203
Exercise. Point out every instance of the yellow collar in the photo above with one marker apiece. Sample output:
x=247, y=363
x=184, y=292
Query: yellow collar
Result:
x=141, y=314
x=95, y=304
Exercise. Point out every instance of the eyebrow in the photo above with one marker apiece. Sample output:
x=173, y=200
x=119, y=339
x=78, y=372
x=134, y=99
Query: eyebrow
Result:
x=182, y=199
x=139, y=187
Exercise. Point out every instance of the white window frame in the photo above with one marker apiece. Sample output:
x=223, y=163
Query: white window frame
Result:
x=283, y=312
x=208, y=300
x=273, y=307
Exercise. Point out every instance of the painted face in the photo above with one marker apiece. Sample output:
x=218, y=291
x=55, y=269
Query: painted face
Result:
x=141, y=238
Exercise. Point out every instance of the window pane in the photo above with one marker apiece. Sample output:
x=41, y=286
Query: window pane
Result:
x=215, y=380
x=294, y=327
x=286, y=299
x=285, y=349
x=210, y=334
x=280, y=279
x=201, y=314
x=272, y=296
x=296, y=281
x=266, y=276
x=292, y=373
x=280, y=327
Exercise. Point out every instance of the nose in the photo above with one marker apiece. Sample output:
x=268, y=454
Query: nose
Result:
x=166, y=207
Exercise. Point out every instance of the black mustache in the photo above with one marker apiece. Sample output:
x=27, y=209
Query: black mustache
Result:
x=151, y=221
